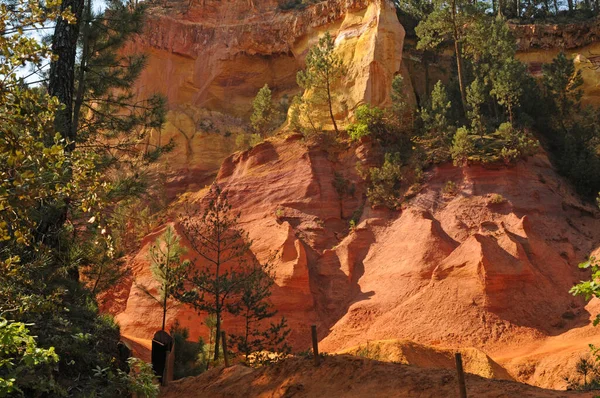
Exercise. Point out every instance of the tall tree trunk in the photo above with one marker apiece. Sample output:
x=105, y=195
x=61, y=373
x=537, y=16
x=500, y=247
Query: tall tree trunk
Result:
x=62, y=69
x=427, y=79
x=329, y=101
x=459, y=60
x=217, y=332
x=555, y=7
x=570, y=5
x=82, y=67
x=218, y=292
x=61, y=83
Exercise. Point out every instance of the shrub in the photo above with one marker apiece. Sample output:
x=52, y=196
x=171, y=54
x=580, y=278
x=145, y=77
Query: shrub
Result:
x=462, y=146
x=497, y=199
x=450, y=188
x=342, y=185
x=588, y=371
x=287, y=5
x=368, y=120
x=386, y=182
x=190, y=357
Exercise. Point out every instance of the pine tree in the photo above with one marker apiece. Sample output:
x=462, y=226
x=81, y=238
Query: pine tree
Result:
x=562, y=84
x=41, y=173
x=507, y=85
x=323, y=70
x=168, y=269
x=252, y=305
x=438, y=131
x=448, y=20
x=220, y=249
x=62, y=68
x=263, y=112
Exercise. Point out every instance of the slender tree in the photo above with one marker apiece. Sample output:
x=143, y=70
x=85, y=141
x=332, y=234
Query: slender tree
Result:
x=61, y=83
x=263, y=111
x=168, y=269
x=220, y=249
x=447, y=21
x=324, y=68
x=253, y=306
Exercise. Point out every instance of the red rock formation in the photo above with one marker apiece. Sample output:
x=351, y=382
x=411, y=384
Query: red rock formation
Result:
x=453, y=271
x=450, y=271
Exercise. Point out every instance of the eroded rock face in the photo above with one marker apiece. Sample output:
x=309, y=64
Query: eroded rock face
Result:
x=540, y=44
x=489, y=267
x=210, y=58
x=218, y=54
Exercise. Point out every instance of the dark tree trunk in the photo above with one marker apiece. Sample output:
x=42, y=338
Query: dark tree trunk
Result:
x=61, y=84
x=459, y=60
x=82, y=67
x=62, y=69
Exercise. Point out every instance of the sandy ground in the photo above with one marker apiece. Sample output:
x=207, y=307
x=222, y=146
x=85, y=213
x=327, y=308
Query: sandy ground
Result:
x=347, y=376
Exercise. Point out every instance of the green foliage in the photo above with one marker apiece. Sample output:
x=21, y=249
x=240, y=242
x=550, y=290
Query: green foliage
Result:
x=140, y=379
x=263, y=113
x=168, y=269
x=252, y=305
x=385, y=189
x=324, y=69
x=573, y=130
x=497, y=199
x=462, y=146
x=227, y=278
x=587, y=367
x=53, y=196
x=563, y=86
x=589, y=288
x=368, y=120
x=401, y=110
x=507, y=86
x=343, y=186
x=437, y=129
x=23, y=365
x=450, y=188
x=191, y=358
x=506, y=144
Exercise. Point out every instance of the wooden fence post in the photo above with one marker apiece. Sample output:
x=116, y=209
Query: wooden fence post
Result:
x=462, y=388
x=315, y=344
x=224, y=343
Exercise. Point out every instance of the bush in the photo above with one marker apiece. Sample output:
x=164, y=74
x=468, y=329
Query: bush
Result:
x=497, y=199
x=386, y=182
x=190, y=357
x=343, y=186
x=588, y=371
x=462, y=146
x=506, y=144
x=450, y=188
x=287, y=5
x=23, y=366
x=368, y=120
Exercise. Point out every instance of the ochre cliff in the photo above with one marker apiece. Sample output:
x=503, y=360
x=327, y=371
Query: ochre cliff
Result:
x=539, y=44
x=489, y=267
x=447, y=271
x=210, y=58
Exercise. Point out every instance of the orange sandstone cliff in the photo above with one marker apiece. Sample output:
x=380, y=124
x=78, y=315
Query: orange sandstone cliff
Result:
x=488, y=267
